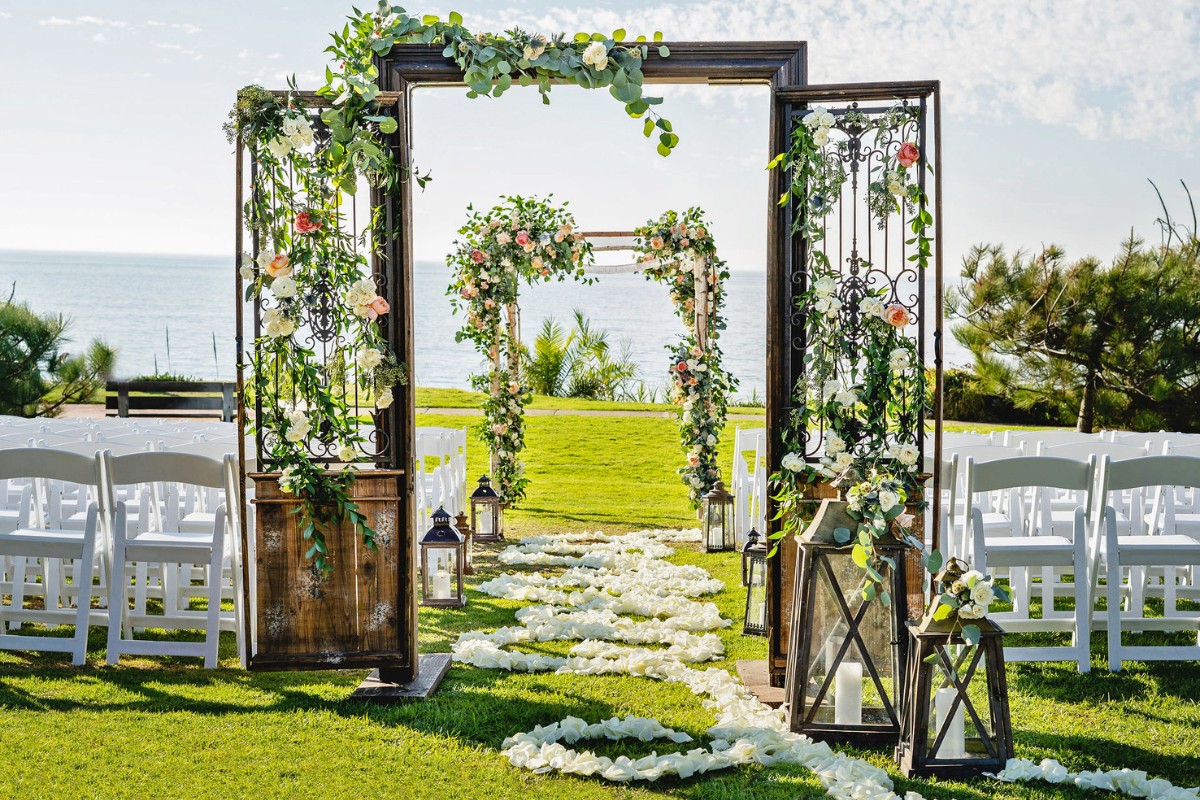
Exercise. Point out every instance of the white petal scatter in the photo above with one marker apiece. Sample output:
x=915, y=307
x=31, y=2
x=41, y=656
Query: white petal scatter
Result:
x=633, y=613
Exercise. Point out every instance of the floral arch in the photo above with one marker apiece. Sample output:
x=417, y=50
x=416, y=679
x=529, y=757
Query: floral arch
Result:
x=533, y=240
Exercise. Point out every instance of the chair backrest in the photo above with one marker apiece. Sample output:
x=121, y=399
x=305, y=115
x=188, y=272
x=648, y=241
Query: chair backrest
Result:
x=158, y=467
x=1190, y=450
x=1149, y=471
x=1029, y=471
x=41, y=462
x=981, y=453
x=91, y=448
x=1082, y=451
x=217, y=450
x=1048, y=438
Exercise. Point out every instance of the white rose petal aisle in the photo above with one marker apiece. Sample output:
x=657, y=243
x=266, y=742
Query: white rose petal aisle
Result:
x=610, y=578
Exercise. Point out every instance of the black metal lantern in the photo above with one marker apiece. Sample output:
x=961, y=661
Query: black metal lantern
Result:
x=955, y=721
x=464, y=530
x=443, y=556
x=716, y=510
x=754, y=577
x=845, y=673
x=486, y=513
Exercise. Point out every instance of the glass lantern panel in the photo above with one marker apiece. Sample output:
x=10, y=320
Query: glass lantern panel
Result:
x=963, y=739
x=483, y=519
x=852, y=696
x=716, y=525
x=756, y=609
x=441, y=570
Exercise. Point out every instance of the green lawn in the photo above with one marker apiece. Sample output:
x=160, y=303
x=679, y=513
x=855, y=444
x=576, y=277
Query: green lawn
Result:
x=167, y=728
x=429, y=397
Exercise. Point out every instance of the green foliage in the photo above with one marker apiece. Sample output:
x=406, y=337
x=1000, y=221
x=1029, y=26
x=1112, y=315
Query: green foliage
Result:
x=967, y=396
x=580, y=363
x=1115, y=345
x=168, y=376
x=36, y=377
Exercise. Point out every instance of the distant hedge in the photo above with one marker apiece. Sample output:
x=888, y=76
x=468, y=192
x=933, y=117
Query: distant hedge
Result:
x=964, y=401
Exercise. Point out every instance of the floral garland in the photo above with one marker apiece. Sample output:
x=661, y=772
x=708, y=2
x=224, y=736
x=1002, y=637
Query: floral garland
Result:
x=303, y=251
x=866, y=396
x=520, y=239
x=669, y=246
x=491, y=64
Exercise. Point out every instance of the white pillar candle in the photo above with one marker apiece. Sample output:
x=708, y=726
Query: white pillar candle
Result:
x=954, y=745
x=847, y=694
x=441, y=585
x=485, y=522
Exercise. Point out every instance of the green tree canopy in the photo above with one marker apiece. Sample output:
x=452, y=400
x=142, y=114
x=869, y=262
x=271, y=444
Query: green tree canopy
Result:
x=1114, y=344
x=36, y=376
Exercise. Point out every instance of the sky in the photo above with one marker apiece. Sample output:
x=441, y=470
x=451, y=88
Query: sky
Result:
x=1055, y=116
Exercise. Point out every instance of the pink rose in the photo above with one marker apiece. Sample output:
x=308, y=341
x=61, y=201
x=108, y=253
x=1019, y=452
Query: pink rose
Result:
x=897, y=315
x=489, y=303
x=684, y=242
x=306, y=224
x=522, y=238
x=477, y=256
x=377, y=308
x=908, y=154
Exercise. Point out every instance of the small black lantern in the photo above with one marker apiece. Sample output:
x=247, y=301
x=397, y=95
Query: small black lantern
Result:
x=845, y=674
x=486, y=513
x=955, y=722
x=754, y=578
x=716, y=510
x=443, y=555
x=464, y=530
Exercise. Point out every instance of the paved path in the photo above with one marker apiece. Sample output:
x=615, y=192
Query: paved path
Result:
x=577, y=412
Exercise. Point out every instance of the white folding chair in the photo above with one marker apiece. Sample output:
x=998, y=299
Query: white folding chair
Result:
x=1031, y=440
x=1019, y=553
x=170, y=546
x=1131, y=556
x=38, y=542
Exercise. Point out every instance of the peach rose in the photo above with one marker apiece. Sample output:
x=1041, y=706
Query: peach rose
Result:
x=377, y=308
x=306, y=224
x=681, y=366
x=278, y=266
x=523, y=238
x=477, y=256
x=908, y=154
x=896, y=315
x=657, y=243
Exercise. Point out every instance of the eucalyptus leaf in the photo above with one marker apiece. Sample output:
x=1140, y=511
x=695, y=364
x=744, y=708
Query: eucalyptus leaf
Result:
x=664, y=51
x=971, y=634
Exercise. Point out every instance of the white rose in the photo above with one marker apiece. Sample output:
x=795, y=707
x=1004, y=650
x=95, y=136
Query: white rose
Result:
x=871, y=307
x=846, y=398
x=297, y=141
x=283, y=288
x=833, y=444
x=369, y=358
x=907, y=454
x=276, y=324
x=821, y=137
x=247, y=271
x=298, y=427
x=280, y=146
x=972, y=577
x=830, y=388
x=596, y=55
x=812, y=119
x=384, y=400
x=900, y=359
x=827, y=119
x=827, y=305
x=291, y=126
x=793, y=462
x=264, y=258
x=347, y=453
x=888, y=499
x=843, y=461
x=982, y=593
x=970, y=611
x=825, y=285
x=896, y=188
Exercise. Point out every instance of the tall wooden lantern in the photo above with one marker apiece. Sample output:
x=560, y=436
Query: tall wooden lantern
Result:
x=329, y=596
x=863, y=281
x=955, y=722
x=487, y=512
x=846, y=668
x=716, y=513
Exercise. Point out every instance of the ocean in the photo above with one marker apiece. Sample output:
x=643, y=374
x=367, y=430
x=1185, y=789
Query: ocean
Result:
x=169, y=313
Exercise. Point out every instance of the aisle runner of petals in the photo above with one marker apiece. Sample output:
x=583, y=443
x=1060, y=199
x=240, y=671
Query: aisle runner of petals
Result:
x=611, y=576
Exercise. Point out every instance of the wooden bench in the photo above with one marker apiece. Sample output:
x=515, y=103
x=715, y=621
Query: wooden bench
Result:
x=170, y=399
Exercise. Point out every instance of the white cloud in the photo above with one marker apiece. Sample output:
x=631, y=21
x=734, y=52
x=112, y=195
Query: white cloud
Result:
x=85, y=20
x=99, y=37
x=1104, y=68
x=178, y=48
x=186, y=27
x=243, y=54
x=5, y=15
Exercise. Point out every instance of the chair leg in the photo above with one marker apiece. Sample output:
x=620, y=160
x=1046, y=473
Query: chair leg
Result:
x=212, y=638
x=18, y=592
x=83, y=604
x=1083, y=610
x=1113, y=573
x=117, y=613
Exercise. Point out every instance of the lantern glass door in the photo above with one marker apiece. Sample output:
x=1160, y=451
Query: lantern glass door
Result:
x=961, y=720
x=756, y=596
x=850, y=665
x=441, y=571
x=482, y=522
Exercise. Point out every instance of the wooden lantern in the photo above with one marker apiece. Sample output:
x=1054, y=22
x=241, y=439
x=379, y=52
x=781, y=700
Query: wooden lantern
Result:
x=716, y=510
x=846, y=666
x=754, y=577
x=486, y=513
x=464, y=530
x=443, y=555
x=955, y=721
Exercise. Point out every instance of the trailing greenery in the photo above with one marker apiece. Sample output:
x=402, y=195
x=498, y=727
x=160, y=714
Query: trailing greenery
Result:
x=577, y=363
x=37, y=378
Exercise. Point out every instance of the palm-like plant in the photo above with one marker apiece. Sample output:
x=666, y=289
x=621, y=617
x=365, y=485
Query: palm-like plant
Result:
x=581, y=363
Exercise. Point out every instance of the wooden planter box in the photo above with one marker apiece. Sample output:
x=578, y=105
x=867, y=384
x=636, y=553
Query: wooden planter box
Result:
x=360, y=615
